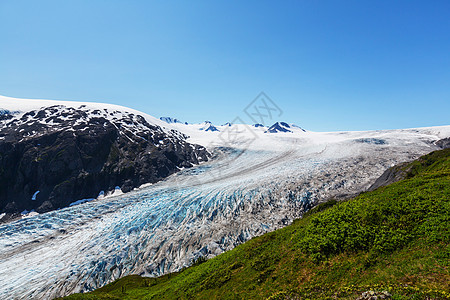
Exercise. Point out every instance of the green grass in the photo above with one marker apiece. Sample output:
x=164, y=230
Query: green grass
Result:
x=395, y=238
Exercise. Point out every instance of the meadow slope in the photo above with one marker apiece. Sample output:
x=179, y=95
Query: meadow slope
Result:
x=395, y=238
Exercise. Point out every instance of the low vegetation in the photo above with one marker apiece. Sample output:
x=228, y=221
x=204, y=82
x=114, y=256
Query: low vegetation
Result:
x=395, y=238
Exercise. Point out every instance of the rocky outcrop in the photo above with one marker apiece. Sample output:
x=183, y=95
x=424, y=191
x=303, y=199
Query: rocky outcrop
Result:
x=56, y=155
x=171, y=120
x=391, y=175
x=443, y=143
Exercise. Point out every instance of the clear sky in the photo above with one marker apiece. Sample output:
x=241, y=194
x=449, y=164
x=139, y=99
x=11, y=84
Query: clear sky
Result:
x=329, y=65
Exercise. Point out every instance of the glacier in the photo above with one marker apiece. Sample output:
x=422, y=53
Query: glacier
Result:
x=247, y=189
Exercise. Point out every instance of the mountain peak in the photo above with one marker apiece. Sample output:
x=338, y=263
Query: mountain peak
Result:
x=279, y=127
x=283, y=127
x=208, y=126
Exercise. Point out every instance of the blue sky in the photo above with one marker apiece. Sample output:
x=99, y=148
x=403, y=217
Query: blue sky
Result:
x=329, y=65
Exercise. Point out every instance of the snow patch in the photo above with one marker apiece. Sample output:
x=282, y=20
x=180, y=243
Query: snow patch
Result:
x=28, y=214
x=81, y=201
x=34, y=195
x=145, y=185
x=116, y=192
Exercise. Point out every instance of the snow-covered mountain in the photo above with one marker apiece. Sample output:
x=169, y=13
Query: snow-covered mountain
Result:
x=284, y=127
x=254, y=182
x=208, y=126
x=278, y=127
x=54, y=153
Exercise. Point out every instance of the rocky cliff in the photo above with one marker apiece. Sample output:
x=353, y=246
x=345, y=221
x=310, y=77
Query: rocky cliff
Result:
x=53, y=156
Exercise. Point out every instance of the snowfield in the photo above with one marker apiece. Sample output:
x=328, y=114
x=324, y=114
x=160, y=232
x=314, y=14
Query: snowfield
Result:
x=21, y=106
x=257, y=182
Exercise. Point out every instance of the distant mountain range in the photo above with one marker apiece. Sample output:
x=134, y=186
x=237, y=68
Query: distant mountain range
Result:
x=208, y=126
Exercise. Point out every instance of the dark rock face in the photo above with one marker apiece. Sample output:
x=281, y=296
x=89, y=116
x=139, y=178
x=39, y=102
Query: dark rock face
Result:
x=444, y=143
x=391, y=175
x=69, y=154
x=171, y=120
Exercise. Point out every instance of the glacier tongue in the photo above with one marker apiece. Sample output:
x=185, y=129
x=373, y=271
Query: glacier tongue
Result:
x=199, y=211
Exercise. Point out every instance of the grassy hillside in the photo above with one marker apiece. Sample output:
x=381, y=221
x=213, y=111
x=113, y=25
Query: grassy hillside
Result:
x=395, y=238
